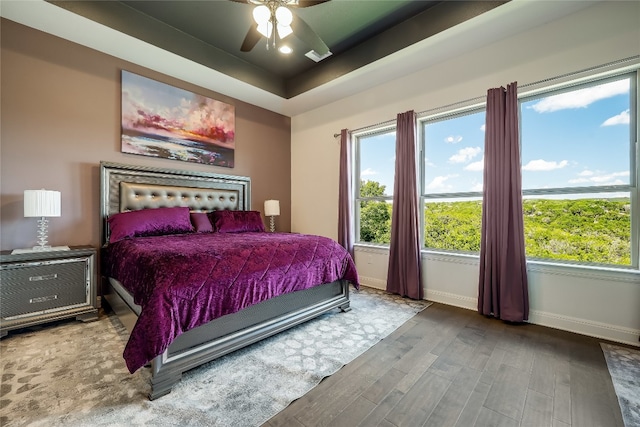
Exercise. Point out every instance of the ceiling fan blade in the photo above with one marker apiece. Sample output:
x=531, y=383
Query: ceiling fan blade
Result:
x=304, y=32
x=309, y=3
x=251, y=39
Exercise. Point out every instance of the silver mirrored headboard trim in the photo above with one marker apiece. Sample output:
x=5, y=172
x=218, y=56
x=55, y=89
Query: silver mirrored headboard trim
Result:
x=128, y=187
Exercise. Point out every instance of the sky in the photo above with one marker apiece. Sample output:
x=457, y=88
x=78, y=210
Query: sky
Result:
x=576, y=138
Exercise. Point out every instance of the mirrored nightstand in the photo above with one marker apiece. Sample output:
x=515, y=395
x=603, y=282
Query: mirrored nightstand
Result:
x=42, y=286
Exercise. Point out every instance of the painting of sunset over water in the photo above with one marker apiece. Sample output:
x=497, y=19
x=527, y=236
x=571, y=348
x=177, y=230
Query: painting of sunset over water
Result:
x=164, y=121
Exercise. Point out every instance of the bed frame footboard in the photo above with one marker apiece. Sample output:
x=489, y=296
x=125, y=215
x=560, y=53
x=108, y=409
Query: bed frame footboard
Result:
x=228, y=333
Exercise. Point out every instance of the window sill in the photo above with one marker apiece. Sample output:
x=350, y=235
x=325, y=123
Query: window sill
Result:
x=618, y=274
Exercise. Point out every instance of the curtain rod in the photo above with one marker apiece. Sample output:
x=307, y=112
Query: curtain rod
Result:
x=478, y=99
x=377, y=125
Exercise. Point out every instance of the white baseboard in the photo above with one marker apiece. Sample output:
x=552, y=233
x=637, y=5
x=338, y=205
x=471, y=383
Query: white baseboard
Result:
x=536, y=317
x=373, y=283
x=585, y=327
x=452, y=299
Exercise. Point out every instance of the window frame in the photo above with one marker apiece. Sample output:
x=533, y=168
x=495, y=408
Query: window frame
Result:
x=422, y=122
x=476, y=105
x=357, y=139
x=631, y=187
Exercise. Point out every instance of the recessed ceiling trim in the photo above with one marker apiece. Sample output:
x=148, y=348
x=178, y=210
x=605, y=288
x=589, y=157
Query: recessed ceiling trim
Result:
x=512, y=18
x=440, y=17
x=46, y=17
x=127, y=20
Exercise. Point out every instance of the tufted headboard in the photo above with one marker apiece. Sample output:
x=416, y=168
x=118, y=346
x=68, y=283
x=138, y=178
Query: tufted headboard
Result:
x=126, y=188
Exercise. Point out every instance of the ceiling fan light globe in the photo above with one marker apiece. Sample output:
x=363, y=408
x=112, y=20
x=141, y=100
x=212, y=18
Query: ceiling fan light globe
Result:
x=284, y=16
x=265, y=28
x=261, y=14
x=283, y=31
x=285, y=50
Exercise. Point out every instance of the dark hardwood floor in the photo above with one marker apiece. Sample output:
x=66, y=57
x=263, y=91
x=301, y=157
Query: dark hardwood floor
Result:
x=453, y=367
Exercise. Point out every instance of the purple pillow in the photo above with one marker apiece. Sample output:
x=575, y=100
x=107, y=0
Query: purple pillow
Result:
x=236, y=221
x=201, y=223
x=149, y=222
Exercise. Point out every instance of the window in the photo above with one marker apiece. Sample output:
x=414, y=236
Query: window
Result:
x=579, y=175
x=453, y=162
x=375, y=166
x=578, y=172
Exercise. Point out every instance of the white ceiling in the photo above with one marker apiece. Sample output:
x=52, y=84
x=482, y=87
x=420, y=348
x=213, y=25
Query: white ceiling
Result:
x=503, y=21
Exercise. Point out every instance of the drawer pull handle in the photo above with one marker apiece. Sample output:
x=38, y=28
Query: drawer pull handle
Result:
x=45, y=277
x=43, y=299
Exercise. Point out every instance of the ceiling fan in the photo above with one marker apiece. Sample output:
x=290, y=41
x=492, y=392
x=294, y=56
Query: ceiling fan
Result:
x=274, y=20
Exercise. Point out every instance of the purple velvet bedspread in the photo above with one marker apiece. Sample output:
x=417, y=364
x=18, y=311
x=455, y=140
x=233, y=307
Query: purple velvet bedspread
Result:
x=183, y=281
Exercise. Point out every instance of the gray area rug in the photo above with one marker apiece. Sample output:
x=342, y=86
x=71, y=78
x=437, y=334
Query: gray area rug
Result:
x=73, y=374
x=624, y=367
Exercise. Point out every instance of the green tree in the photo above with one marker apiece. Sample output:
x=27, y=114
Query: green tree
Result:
x=453, y=225
x=372, y=189
x=586, y=230
x=375, y=215
x=592, y=230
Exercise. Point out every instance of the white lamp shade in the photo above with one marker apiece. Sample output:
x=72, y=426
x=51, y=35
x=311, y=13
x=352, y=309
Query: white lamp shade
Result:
x=271, y=207
x=283, y=31
x=284, y=16
x=261, y=14
x=41, y=203
x=265, y=28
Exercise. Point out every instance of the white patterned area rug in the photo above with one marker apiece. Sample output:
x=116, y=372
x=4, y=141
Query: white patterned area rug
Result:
x=624, y=367
x=73, y=374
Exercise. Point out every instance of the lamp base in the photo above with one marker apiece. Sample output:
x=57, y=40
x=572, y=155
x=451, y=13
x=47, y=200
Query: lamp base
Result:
x=43, y=225
x=272, y=224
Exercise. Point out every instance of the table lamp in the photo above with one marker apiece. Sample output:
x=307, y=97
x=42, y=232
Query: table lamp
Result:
x=42, y=204
x=272, y=209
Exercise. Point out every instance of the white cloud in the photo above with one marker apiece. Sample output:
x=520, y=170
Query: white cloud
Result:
x=477, y=187
x=475, y=166
x=609, y=178
x=483, y=128
x=581, y=98
x=439, y=182
x=368, y=172
x=453, y=139
x=621, y=119
x=543, y=165
x=586, y=173
x=578, y=180
x=601, y=178
x=465, y=154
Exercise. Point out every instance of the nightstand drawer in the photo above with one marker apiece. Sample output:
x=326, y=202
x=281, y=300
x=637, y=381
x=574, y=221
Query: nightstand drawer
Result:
x=36, y=287
x=43, y=286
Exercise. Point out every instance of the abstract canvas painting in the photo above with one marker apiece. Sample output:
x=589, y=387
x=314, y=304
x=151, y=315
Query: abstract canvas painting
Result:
x=160, y=120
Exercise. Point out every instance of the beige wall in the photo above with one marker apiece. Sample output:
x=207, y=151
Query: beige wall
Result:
x=603, y=304
x=60, y=116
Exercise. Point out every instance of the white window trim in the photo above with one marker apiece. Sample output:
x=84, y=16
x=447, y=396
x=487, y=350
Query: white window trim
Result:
x=632, y=187
x=579, y=269
x=370, y=131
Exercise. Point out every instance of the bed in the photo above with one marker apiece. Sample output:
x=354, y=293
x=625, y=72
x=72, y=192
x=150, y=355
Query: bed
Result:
x=184, y=299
